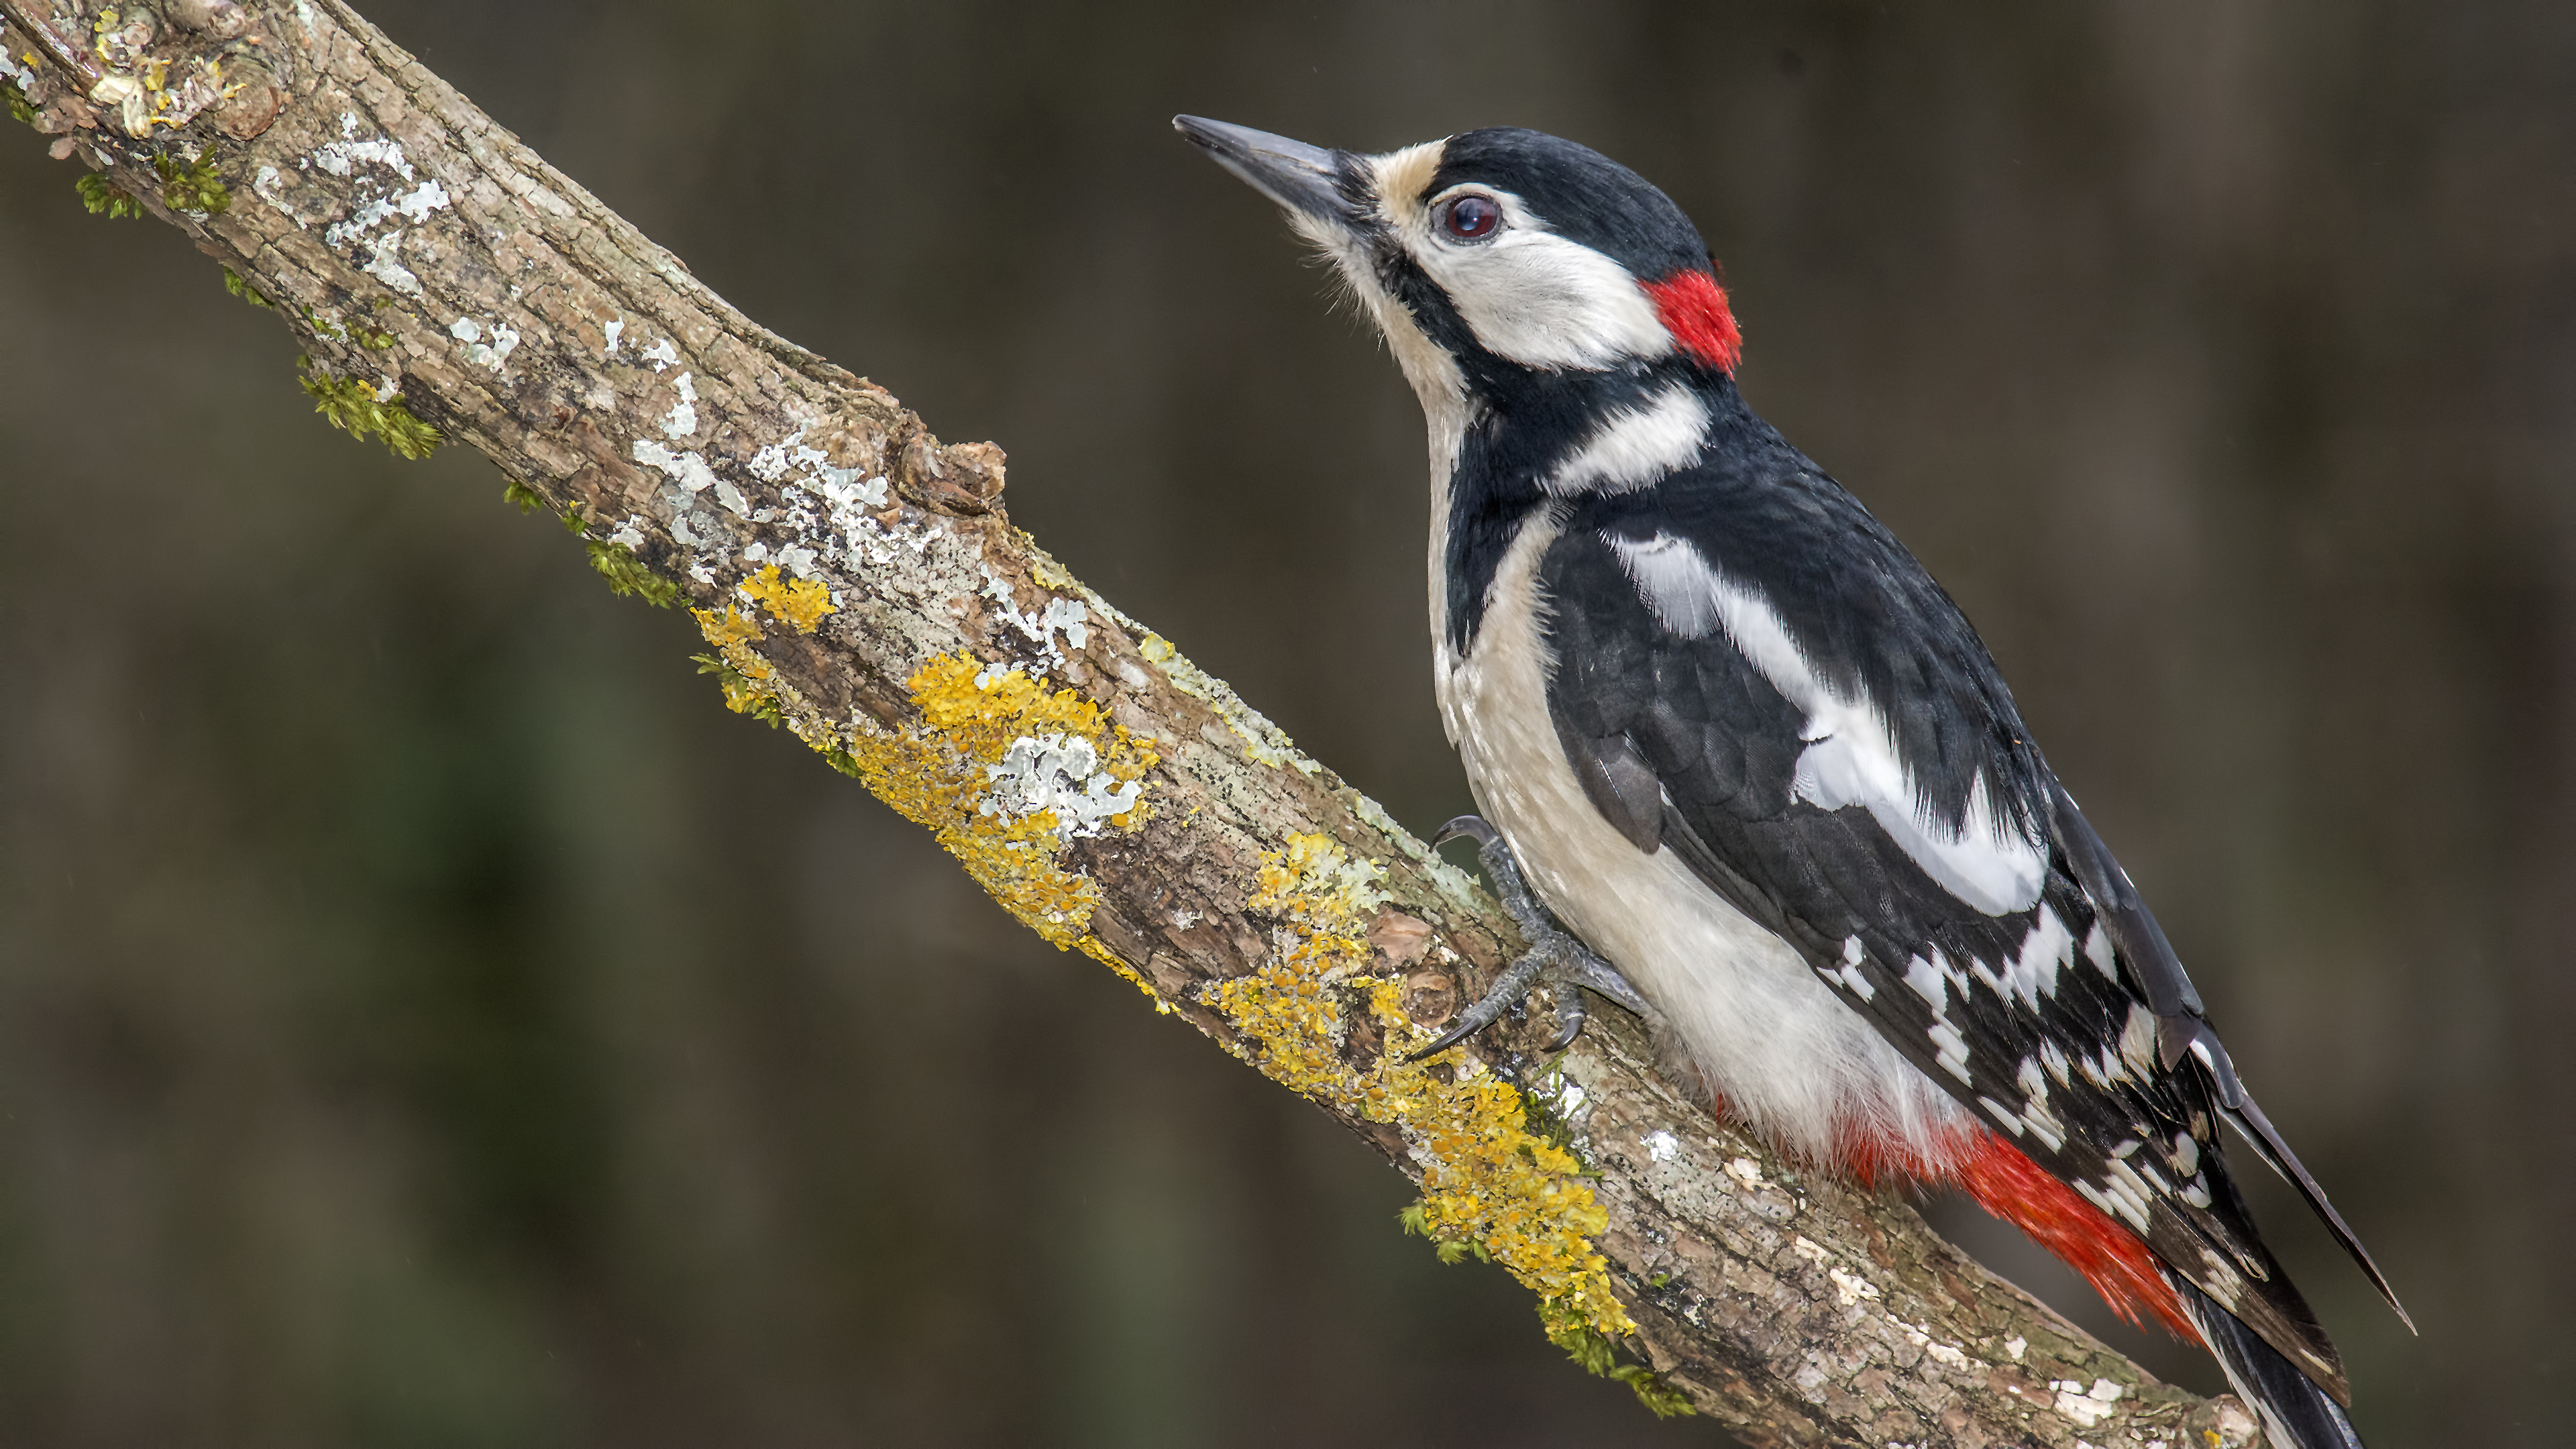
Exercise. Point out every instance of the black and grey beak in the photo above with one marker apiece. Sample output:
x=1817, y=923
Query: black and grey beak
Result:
x=1305, y=179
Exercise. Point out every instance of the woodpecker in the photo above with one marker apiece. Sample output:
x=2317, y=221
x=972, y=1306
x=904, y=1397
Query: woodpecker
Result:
x=1761, y=769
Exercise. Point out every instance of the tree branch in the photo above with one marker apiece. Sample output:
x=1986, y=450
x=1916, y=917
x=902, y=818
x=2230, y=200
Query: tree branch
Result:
x=858, y=582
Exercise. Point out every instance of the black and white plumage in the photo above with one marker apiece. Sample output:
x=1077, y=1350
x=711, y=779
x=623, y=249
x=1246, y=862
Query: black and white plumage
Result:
x=1749, y=752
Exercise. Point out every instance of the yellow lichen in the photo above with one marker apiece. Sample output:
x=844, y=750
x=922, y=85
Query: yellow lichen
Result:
x=1486, y=1179
x=940, y=775
x=743, y=688
x=802, y=603
x=731, y=626
x=972, y=713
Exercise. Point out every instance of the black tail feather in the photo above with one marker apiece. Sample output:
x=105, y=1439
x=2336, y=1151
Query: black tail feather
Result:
x=2296, y=1414
x=2237, y=1106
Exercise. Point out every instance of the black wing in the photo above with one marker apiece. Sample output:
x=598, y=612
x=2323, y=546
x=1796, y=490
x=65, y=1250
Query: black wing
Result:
x=2060, y=1015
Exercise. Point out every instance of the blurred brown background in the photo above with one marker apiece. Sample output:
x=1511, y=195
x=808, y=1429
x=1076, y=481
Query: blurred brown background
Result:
x=427, y=1018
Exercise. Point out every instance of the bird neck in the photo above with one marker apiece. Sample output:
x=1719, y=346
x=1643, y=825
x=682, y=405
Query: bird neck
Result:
x=1527, y=440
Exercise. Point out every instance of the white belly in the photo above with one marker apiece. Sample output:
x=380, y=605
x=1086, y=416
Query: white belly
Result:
x=1785, y=1053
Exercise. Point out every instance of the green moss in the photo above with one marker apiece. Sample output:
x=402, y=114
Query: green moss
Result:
x=353, y=408
x=357, y=332
x=744, y=695
x=1661, y=1399
x=628, y=576
x=1545, y=1122
x=19, y=109
x=528, y=499
x=234, y=284
x=192, y=185
x=1570, y=1330
x=101, y=195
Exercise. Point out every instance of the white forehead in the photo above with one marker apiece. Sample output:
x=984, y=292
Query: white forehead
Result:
x=1528, y=294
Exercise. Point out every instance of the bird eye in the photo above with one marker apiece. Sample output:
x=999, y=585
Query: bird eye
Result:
x=1473, y=218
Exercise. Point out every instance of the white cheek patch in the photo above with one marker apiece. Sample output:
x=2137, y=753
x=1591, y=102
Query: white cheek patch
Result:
x=1635, y=446
x=1543, y=301
x=1851, y=757
x=1528, y=295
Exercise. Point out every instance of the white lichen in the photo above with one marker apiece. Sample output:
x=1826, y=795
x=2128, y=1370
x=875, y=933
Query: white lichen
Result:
x=614, y=328
x=483, y=354
x=418, y=204
x=682, y=420
x=1069, y=617
x=1850, y=1288
x=372, y=201
x=1948, y=1355
x=1661, y=1145
x=688, y=470
x=2086, y=1406
x=844, y=529
x=662, y=355
x=381, y=265
x=1059, y=773
x=344, y=156
x=264, y=185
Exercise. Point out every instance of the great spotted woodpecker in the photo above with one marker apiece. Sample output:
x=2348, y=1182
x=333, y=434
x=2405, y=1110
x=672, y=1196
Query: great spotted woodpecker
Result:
x=1747, y=750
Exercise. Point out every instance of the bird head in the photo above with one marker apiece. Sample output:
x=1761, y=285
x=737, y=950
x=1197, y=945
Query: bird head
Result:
x=1498, y=258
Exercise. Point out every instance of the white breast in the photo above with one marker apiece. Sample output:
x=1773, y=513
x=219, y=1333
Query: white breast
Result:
x=1786, y=1054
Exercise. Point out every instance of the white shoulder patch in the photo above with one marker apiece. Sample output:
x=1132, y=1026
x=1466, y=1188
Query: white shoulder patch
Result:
x=1635, y=446
x=1851, y=757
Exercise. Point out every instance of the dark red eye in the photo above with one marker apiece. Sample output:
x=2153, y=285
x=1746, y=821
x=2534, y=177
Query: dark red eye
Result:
x=1474, y=218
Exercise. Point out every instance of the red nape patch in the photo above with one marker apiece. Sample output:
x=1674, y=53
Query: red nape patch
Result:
x=2005, y=1182
x=1692, y=307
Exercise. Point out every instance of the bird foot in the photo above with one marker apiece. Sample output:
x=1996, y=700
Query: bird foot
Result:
x=1554, y=955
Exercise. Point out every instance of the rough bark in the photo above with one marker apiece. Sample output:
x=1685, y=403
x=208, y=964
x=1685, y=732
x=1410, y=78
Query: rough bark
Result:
x=859, y=581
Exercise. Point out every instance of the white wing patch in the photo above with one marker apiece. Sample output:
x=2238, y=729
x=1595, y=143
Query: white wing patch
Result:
x=2033, y=974
x=1932, y=980
x=1851, y=757
x=1635, y=446
x=1765, y=1031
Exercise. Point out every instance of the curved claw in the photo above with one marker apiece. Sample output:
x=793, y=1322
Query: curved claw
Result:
x=1501, y=997
x=1447, y=1039
x=1467, y=827
x=1569, y=1017
x=1552, y=952
x=1475, y=1018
